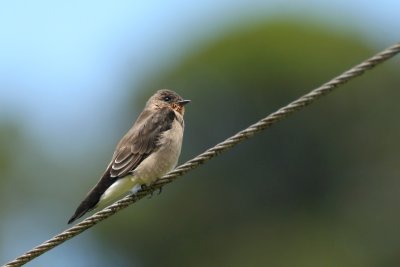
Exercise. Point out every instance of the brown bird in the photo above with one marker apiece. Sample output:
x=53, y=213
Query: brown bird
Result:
x=149, y=150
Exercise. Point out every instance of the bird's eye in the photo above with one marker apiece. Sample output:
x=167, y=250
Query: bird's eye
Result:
x=167, y=98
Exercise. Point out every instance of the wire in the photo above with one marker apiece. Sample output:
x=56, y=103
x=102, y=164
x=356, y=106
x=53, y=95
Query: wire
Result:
x=209, y=154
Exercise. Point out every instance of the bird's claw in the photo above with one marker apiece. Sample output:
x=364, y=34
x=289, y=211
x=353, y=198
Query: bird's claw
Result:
x=151, y=188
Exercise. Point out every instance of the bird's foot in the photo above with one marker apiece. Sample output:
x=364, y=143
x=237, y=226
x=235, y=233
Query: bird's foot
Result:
x=135, y=197
x=151, y=188
x=147, y=188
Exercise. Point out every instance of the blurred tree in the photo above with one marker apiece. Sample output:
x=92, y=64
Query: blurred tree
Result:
x=311, y=191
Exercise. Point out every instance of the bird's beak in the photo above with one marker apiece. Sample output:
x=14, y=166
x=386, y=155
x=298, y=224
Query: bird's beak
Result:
x=183, y=102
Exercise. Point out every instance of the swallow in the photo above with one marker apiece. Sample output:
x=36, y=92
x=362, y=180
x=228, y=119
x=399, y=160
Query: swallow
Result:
x=149, y=150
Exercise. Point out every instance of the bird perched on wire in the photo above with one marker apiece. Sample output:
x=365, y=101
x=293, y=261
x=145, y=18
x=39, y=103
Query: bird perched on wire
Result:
x=149, y=150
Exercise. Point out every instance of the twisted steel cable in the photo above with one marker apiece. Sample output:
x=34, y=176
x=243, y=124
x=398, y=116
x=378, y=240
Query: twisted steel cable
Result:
x=264, y=123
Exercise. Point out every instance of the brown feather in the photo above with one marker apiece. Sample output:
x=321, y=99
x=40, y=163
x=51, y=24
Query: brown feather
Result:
x=140, y=141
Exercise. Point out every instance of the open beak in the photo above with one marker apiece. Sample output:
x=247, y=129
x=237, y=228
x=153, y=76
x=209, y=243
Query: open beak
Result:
x=183, y=102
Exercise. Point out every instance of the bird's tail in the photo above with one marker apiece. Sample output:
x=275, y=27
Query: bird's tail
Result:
x=80, y=211
x=86, y=205
x=103, y=194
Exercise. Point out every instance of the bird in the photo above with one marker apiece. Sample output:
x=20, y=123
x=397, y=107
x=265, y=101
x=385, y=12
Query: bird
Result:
x=149, y=150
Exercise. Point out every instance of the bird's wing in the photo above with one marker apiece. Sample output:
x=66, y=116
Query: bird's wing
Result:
x=133, y=148
x=136, y=146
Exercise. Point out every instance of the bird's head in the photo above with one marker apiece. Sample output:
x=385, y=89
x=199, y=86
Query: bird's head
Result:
x=167, y=98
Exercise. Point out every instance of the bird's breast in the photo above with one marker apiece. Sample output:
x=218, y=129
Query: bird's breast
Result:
x=165, y=158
